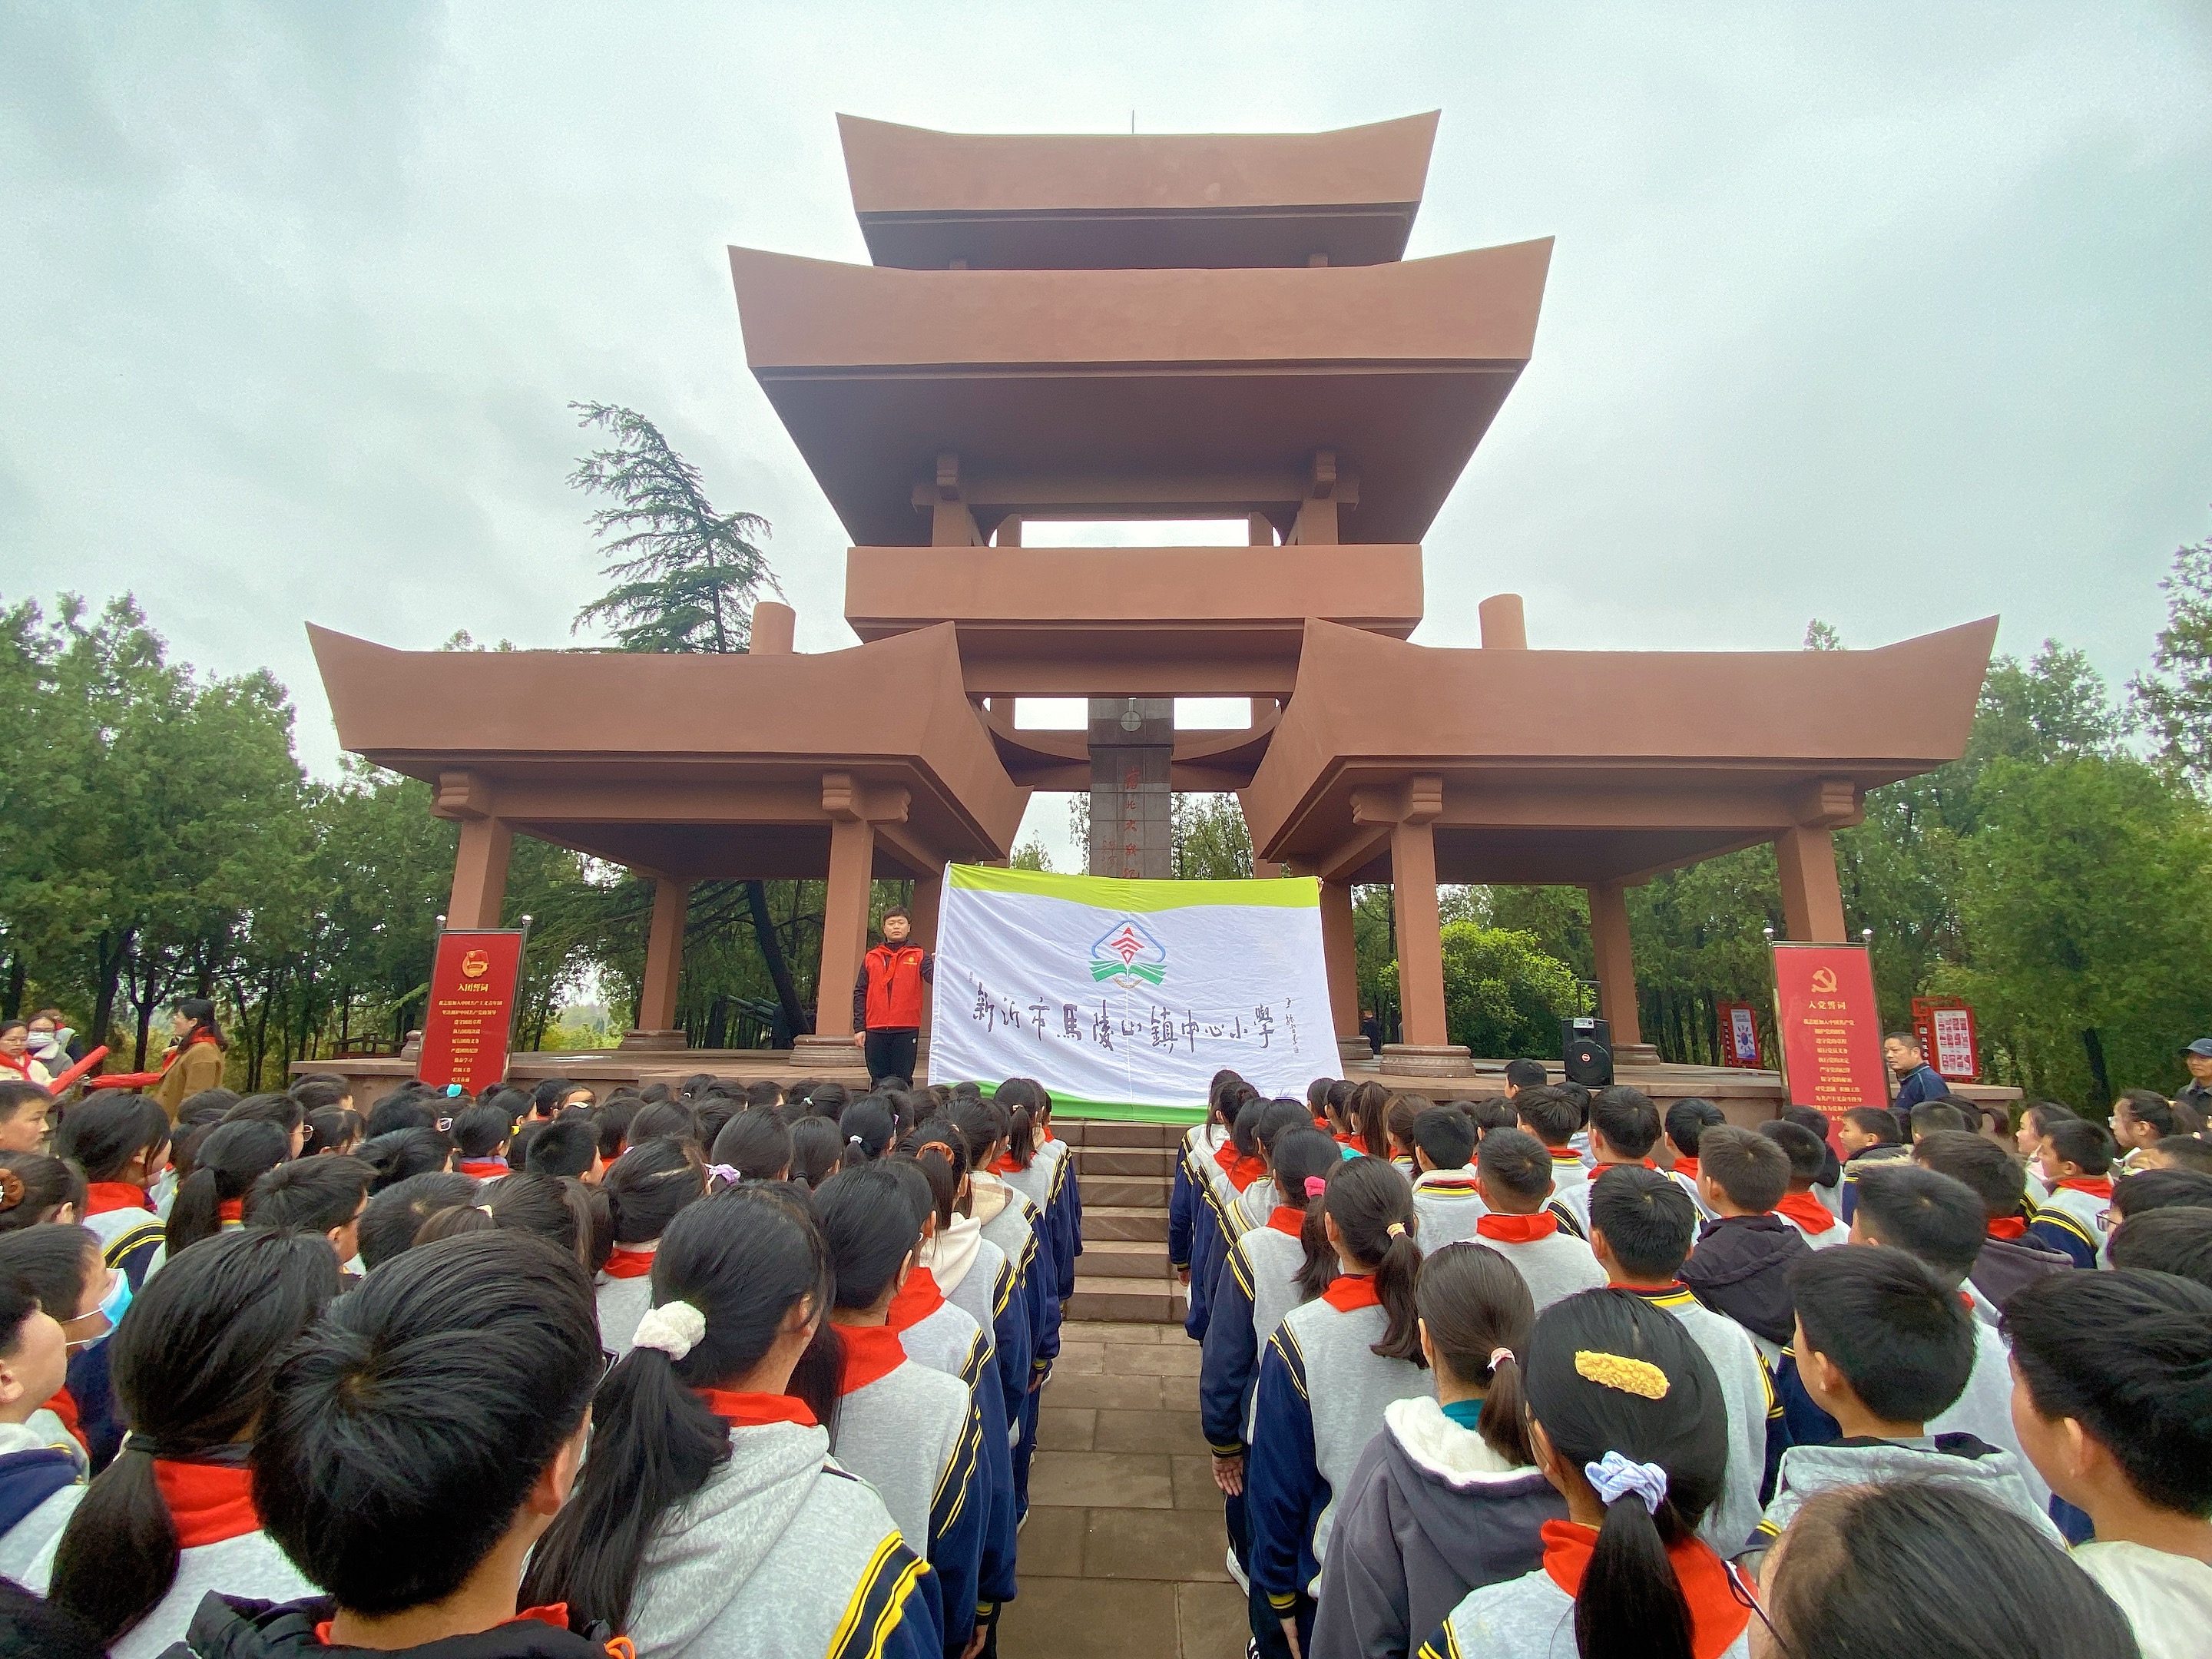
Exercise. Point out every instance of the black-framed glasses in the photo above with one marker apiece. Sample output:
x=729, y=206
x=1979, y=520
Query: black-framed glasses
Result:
x=1745, y=1596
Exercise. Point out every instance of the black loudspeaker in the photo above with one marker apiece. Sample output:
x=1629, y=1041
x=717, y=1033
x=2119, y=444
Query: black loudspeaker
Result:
x=1586, y=1052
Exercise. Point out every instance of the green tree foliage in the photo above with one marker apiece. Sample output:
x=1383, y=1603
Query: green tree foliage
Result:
x=2175, y=699
x=1212, y=842
x=1504, y=995
x=686, y=576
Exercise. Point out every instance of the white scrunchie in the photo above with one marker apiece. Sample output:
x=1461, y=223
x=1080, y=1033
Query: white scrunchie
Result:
x=1616, y=1477
x=674, y=1327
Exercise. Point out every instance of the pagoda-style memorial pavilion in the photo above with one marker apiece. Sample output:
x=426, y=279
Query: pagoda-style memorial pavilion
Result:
x=1131, y=328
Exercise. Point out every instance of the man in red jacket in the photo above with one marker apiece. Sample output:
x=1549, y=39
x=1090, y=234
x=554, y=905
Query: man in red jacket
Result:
x=887, y=998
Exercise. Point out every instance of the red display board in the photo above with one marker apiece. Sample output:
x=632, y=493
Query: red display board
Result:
x=1945, y=1026
x=1831, y=1032
x=1739, y=1035
x=472, y=1007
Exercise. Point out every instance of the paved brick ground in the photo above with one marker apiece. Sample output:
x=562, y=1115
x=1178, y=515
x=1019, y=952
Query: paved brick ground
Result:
x=1122, y=1555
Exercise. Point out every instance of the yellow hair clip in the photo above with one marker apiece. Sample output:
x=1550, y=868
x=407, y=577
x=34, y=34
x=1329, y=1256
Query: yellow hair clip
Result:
x=1612, y=1371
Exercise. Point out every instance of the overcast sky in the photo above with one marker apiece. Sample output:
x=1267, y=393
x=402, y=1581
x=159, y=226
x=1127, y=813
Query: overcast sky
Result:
x=1894, y=315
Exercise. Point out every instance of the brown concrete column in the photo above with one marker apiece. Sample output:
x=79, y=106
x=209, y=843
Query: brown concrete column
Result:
x=775, y=626
x=663, y=955
x=1505, y=627
x=1616, y=962
x=1339, y=957
x=1420, y=939
x=928, y=899
x=1812, y=898
x=844, y=924
x=479, y=874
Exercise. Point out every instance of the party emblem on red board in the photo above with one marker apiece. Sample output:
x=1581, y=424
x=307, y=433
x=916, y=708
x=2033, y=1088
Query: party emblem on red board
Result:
x=475, y=965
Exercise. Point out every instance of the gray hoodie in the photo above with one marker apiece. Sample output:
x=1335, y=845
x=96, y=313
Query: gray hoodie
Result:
x=1432, y=1513
x=773, y=1558
x=1958, y=1460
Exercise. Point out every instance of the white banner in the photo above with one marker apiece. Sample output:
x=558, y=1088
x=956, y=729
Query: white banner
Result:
x=1114, y=993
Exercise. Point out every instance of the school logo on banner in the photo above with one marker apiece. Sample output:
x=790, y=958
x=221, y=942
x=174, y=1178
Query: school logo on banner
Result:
x=1129, y=955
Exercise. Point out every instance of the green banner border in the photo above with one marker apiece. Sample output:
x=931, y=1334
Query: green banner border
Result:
x=1117, y=893
x=1121, y=1111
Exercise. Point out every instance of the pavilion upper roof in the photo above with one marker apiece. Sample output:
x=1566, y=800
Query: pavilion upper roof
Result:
x=926, y=199
x=1207, y=386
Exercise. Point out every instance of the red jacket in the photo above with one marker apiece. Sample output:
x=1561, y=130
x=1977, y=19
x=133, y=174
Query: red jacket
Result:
x=887, y=996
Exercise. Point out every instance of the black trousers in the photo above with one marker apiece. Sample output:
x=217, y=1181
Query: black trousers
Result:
x=891, y=1053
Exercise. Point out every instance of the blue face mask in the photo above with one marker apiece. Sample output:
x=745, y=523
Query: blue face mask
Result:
x=112, y=1308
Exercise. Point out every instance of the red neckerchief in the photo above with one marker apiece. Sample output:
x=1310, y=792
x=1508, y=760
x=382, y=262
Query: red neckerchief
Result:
x=2095, y=1186
x=1566, y=1155
x=1321, y=1123
x=1518, y=1229
x=1358, y=1142
x=101, y=1196
x=555, y=1614
x=1005, y=1164
x=230, y=1209
x=176, y=1055
x=1288, y=1218
x=64, y=1405
x=2008, y=1227
x=628, y=1263
x=871, y=1353
x=1450, y=1183
x=917, y=1299
x=1807, y=1212
x=1352, y=1291
x=485, y=1169
x=1225, y=1156
x=19, y=1064
x=1687, y=1166
x=1716, y=1618
x=208, y=1502
x=752, y=1411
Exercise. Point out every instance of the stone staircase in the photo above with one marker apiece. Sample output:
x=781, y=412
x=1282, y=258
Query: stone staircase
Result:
x=1127, y=1170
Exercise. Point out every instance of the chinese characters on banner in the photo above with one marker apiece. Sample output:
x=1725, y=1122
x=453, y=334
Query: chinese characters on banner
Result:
x=1739, y=1035
x=1831, y=1032
x=1126, y=993
x=472, y=1007
x=1945, y=1027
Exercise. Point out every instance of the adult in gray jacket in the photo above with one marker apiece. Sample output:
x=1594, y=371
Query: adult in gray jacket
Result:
x=1447, y=1497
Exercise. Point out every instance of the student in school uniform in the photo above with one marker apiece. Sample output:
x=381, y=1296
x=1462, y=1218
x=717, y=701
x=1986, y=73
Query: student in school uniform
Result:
x=121, y=1142
x=1641, y=1225
x=1859, y=1571
x=914, y=1434
x=1017, y=1227
x=1869, y=1136
x=1555, y=1117
x=1447, y=1195
x=973, y=1275
x=2009, y=1259
x=411, y=1526
x=1625, y=1422
x=1740, y=1264
x=173, y=1517
x=1799, y=1206
x=708, y=1520
x=40, y=1458
x=1447, y=1497
x=324, y=1195
x=1034, y=1172
x=1259, y=1201
x=947, y=1339
x=2035, y=1121
x=1234, y=1164
x=1398, y=1120
x=1624, y=1128
x=1513, y=1174
x=1884, y=1349
x=2074, y=1159
x=646, y=1187
x=2113, y=1398
x=1194, y=1233
x=212, y=1199
x=1328, y=1373
x=1940, y=1223
x=481, y=1134
x=1686, y=1122
x=1064, y=1207
x=1272, y=1268
x=62, y=1264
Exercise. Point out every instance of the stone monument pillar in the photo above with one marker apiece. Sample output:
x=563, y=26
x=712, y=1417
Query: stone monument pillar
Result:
x=1131, y=802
